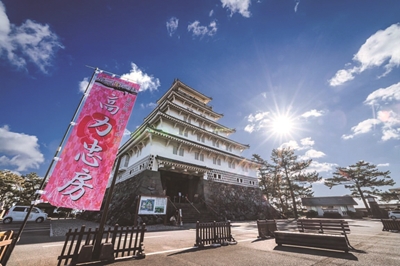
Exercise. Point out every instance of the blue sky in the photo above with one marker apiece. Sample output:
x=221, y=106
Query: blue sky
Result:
x=320, y=76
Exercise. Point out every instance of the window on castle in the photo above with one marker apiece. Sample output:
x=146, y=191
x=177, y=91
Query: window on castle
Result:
x=231, y=165
x=198, y=156
x=175, y=150
x=217, y=176
x=126, y=162
x=215, y=143
x=216, y=161
x=187, y=119
x=183, y=132
x=201, y=138
x=181, y=152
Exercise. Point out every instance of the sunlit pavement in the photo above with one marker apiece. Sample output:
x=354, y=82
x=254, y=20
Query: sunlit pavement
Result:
x=373, y=247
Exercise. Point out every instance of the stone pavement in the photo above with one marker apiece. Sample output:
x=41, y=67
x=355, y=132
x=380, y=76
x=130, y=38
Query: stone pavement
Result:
x=373, y=247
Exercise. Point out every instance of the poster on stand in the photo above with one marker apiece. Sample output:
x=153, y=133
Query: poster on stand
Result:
x=152, y=205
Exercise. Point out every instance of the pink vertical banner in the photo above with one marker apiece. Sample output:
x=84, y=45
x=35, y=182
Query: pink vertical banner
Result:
x=80, y=177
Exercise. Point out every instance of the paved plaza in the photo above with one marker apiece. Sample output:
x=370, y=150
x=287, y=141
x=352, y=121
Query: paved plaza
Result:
x=164, y=246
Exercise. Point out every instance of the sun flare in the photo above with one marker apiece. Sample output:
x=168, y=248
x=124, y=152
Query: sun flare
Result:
x=282, y=125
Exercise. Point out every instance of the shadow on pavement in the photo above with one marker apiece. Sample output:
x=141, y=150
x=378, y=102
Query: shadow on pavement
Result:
x=317, y=252
x=191, y=250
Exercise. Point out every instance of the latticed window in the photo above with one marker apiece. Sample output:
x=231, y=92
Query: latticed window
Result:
x=126, y=162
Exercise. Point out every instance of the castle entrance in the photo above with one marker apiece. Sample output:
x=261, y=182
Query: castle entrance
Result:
x=178, y=186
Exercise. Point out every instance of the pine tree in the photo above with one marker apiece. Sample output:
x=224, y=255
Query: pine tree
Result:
x=361, y=178
x=283, y=179
x=10, y=187
x=30, y=185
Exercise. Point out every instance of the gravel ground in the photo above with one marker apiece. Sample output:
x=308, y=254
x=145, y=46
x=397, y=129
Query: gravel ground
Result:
x=60, y=227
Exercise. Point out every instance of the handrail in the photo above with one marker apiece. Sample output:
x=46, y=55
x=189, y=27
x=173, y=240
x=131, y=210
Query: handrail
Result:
x=172, y=203
x=210, y=207
x=191, y=203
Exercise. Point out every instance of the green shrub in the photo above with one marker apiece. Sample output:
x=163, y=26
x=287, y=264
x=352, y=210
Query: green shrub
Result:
x=332, y=215
x=311, y=214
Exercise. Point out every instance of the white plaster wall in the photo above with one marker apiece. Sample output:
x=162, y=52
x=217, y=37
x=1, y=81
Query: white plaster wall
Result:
x=167, y=126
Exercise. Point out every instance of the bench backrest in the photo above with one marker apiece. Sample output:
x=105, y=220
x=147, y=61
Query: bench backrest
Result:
x=323, y=225
x=5, y=241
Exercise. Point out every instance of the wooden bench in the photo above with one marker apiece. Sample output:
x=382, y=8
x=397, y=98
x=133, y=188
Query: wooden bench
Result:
x=266, y=228
x=318, y=233
x=315, y=240
x=323, y=226
x=390, y=225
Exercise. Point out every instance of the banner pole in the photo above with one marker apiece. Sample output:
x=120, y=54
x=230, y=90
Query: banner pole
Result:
x=33, y=203
x=99, y=237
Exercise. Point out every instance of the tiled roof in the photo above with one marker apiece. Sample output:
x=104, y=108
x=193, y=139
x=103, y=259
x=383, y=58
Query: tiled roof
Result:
x=328, y=201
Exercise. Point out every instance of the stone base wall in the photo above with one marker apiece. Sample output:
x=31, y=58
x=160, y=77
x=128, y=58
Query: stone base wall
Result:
x=237, y=203
x=226, y=201
x=125, y=199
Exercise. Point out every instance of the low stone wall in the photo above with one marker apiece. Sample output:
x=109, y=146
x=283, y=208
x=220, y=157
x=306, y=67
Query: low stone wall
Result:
x=237, y=203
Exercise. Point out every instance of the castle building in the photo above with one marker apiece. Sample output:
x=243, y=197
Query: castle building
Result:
x=181, y=151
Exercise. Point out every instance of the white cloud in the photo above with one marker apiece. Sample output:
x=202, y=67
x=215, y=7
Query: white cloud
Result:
x=307, y=142
x=127, y=132
x=211, y=13
x=314, y=154
x=380, y=49
x=296, y=6
x=386, y=101
x=257, y=121
x=390, y=133
x=239, y=6
x=83, y=85
x=249, y=128
x=362, y=127
x=342, y=76
x=172, y=25
x=149, y=105
x=257, y=117
x=19, y=150
x=200, y=31
x=29, y=43
x=391, y=93
x=383, y=165
x=290, y=144
x=321, y=167
x=145, y=81
x=313, y=113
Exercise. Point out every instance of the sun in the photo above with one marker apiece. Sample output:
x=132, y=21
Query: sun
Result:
x=282, y=125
